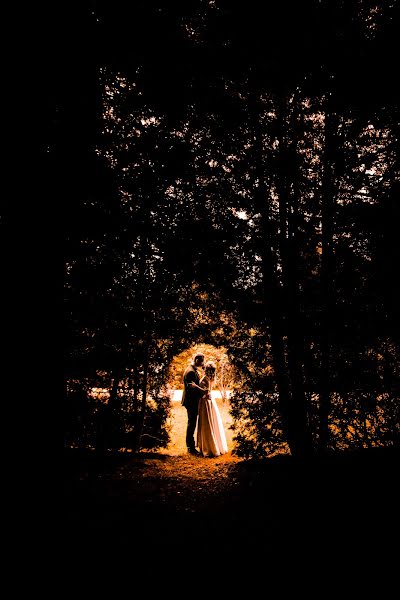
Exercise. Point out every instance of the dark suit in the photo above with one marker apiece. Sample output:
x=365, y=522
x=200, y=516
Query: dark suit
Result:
x=190, y=400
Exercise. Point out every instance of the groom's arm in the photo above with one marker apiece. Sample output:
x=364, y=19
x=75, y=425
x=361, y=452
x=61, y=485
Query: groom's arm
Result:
x=199, y=388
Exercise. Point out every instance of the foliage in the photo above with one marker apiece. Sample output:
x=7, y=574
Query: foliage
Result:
x=237, y=190
x=257, y=426
x=89, y=404
x=226, y=372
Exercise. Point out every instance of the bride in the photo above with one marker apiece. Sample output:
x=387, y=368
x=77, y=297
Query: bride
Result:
x=211, y=440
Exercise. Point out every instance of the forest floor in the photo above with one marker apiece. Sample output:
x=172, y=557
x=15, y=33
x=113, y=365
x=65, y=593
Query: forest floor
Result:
x=164, y=514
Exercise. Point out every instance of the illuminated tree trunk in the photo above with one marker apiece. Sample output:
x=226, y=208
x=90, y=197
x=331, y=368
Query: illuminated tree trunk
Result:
x=225, y=381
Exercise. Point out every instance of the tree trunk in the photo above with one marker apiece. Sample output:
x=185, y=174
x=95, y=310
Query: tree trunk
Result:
x=142, y=411
x=287, y=178
x=104, y=421
x=272, y=294
x=295, y=344
x=326, y=279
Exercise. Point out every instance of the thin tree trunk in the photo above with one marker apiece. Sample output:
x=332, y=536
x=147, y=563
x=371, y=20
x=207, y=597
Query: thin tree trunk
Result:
x=296, y=348
x=104, y=422
x=145, y=252
x=326, y=279
x=111, y=408
x=142, y=411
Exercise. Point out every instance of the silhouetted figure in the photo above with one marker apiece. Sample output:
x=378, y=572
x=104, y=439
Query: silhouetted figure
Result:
x=211, y=439
x=190, y=398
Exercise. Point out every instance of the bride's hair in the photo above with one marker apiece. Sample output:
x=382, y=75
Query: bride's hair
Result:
x=210, y=369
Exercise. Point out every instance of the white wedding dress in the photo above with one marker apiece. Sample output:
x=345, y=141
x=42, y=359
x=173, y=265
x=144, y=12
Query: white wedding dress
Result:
x=211, y=439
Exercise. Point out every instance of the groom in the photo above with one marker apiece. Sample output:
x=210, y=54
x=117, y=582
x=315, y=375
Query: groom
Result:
x=190, y=399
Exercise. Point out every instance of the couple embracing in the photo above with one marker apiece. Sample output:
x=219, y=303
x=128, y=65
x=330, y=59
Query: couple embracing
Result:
x=202, y=410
